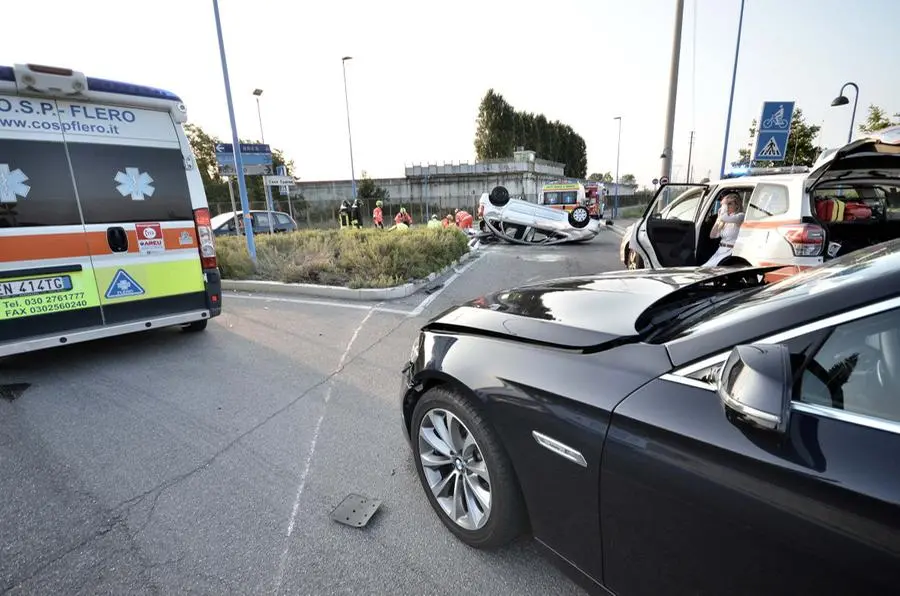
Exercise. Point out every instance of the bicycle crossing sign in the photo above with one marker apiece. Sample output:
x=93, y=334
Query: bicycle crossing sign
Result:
x=774, y=129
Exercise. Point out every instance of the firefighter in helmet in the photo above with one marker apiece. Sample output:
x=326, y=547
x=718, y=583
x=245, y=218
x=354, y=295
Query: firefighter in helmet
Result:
x=344, y=214
x=355, y=214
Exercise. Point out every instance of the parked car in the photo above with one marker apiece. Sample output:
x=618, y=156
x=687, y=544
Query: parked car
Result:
x=224, y=223
x=683, y=431
x=794, y=217
x=522, y=222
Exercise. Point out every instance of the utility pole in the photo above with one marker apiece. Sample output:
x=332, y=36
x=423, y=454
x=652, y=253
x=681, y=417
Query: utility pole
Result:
x=690, y=153
x=618, y=151
x=737, y=54
x=673, y=92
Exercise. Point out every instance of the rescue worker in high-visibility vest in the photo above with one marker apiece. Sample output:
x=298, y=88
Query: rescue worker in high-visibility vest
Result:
x=434, y=222
x=403, y=217
x=355, y=214
x=464, y=219
x=344, y=214
x=378, y=215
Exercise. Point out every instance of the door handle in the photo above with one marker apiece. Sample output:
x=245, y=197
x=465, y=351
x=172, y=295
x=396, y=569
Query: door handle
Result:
x=117, y=239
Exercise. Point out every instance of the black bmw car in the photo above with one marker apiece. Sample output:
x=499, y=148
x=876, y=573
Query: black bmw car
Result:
x=677, y=431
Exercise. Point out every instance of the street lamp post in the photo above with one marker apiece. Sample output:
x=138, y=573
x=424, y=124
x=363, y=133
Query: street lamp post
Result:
x=673, y=92
x=737, y=53
x=618, y=151
x=238, y=158
x=262, y=135
x=266, y=188
x=841, y=100
x=349, y=134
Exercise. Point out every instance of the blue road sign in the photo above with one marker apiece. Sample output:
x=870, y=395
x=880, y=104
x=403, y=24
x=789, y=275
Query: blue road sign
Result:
x=774, y=130
x=256, y=157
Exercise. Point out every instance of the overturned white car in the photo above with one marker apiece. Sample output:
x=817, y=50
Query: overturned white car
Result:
x=522, y=222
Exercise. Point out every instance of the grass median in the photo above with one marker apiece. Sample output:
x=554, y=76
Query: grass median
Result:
x=367, y=258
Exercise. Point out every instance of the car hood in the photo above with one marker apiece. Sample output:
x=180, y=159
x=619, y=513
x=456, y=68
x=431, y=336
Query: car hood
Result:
x=578, y=313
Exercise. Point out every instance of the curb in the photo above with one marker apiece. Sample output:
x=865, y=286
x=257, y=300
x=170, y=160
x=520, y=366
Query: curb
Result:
x=339, y=292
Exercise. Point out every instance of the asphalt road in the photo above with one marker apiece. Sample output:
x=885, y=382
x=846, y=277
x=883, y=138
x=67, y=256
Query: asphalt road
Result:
x=208, y=463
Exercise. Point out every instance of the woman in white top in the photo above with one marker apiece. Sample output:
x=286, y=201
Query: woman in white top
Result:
x=726, y=228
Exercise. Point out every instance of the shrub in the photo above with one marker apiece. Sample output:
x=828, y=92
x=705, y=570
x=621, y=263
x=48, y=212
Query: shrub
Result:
x=366, y=258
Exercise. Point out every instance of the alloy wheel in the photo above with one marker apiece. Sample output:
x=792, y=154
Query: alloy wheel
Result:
x=455, y=469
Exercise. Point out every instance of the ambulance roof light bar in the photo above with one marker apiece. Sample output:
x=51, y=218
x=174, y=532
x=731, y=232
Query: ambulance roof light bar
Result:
x=8, y=73
x=742, y=171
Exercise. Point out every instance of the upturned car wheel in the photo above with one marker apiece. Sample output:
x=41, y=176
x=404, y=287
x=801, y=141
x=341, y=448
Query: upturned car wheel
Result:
x=467, y=475
x=579, y=217
x=499, y=196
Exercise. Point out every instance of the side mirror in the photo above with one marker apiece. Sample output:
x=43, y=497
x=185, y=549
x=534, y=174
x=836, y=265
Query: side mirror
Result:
x=755, y=386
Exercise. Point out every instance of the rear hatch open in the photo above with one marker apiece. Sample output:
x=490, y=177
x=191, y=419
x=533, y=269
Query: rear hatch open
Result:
x=855, y=193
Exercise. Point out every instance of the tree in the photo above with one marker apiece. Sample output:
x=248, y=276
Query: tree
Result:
x=500, y=129
x=628, y=180
x=877, y=120
x=204, y=147
x=801, y=147
x=367, y=189
x=604, y=177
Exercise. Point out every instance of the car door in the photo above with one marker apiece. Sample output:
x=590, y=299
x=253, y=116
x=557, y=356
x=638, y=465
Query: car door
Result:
x=262, y=224
x=285, y=223
x=46, y=276
x=130, y=172
x=667, y=234
x=697, y=502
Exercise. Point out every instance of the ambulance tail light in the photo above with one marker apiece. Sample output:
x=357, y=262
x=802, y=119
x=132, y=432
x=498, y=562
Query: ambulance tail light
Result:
x=205, y=238
x=806, y=240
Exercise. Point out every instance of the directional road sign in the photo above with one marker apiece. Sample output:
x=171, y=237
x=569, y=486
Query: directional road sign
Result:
x=257, y=159
x=278, y=181
x=774, y=130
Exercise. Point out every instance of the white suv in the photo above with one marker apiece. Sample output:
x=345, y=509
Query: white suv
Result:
x=793, y=216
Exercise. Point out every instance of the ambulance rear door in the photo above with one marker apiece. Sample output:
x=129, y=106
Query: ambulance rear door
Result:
x=47, y=284
x=130, y=166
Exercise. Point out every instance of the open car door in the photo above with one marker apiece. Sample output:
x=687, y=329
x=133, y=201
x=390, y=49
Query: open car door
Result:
x=667, y=235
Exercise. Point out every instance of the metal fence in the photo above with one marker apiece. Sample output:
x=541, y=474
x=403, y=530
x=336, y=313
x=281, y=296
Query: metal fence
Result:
x=324, y=214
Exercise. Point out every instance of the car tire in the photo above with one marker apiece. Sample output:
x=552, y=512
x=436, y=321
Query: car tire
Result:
x=499, y=196
x=196, y=326
x=506, y=519
x=579, y=217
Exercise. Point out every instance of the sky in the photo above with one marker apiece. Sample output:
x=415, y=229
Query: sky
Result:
x=420, y=69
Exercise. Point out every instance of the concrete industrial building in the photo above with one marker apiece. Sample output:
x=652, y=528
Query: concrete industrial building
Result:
x=452, y=185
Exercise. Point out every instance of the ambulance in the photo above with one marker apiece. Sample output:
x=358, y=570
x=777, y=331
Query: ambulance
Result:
x=104, y=224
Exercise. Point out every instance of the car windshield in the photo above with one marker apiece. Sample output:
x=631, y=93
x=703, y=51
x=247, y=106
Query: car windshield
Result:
x=561, y=197
x=696, y=301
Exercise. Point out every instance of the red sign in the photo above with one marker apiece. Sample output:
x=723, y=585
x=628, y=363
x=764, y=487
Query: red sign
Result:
x=150, y=238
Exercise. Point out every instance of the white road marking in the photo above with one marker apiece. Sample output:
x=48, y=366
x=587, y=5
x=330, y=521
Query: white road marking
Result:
x=432, y=297
x=360, y=306
x=419, y=309
x=312, y=451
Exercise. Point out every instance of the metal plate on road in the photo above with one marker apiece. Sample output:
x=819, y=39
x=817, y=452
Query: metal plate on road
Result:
x=13, y=391
x=355, y=510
